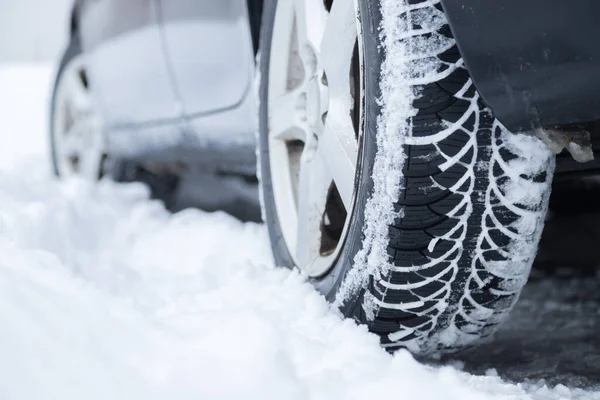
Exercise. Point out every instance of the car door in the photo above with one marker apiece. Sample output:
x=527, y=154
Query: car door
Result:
x=209, y=49
x=126, y=63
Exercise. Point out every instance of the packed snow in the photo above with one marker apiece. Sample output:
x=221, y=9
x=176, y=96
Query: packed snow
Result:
x=106, y=295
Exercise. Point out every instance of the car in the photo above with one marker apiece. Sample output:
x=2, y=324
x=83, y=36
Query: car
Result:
x=406, y=148
x=130, y=72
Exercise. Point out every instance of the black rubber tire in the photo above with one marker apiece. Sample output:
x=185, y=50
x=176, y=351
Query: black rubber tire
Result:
x=427, y=297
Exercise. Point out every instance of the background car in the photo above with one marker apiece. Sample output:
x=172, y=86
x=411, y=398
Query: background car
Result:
x=135, y=98
x=404, y=147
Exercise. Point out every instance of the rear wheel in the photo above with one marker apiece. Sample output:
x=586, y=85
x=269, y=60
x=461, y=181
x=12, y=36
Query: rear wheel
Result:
x=385, y=178
x=76, y=135
x=75, y=126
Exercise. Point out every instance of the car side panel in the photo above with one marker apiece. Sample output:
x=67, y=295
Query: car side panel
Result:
x=126, y=65
x=209, y=49
x=536, y=63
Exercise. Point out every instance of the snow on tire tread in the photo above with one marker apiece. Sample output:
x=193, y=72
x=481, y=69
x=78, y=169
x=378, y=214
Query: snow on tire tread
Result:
x=447, y=265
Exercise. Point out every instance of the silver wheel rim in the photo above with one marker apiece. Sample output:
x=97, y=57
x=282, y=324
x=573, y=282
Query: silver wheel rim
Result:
x=77, y=127
x=314, y=134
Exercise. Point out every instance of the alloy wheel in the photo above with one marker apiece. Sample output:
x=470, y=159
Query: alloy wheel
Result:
x=77, y=127
x=315, y=87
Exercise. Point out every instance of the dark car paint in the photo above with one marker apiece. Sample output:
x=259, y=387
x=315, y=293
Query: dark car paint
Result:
x=536, y=63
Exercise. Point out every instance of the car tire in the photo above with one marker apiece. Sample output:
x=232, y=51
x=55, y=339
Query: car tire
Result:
x=448, y=206
x=72, y=52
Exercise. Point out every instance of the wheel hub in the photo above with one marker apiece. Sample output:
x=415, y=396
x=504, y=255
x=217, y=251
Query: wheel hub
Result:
x=317, y=101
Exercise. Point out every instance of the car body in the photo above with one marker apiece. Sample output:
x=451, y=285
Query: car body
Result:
x=536, y=64
x=150, y=80
x=164, y=95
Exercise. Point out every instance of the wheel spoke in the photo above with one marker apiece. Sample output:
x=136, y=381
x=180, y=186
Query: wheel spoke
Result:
x=284, y=55
x=340, y=149
x=311, y=18
x=287, y=120
x=337, y=49
x=91, y=164
x=339, y=138
x=314, y=186
x=78, y=93
x=72, y=143
x=281, y=175
x=312, y=140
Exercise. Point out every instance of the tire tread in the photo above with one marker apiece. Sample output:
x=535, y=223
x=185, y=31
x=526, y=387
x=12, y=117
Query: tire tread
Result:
x=451, y=226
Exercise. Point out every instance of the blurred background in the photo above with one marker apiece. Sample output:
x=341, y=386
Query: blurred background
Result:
x=33, y=30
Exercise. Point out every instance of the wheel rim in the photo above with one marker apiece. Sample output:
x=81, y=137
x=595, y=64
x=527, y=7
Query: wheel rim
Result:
x=314, y=89
x=77, y=127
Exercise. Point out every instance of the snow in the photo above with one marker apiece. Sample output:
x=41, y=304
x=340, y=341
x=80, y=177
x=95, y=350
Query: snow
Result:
x=392, y=127
x=105, y=295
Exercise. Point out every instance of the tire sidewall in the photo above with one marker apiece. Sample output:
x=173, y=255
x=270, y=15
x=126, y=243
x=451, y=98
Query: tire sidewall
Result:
x=329, y=284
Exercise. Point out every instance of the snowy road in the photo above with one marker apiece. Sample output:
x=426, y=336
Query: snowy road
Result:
x=105, y=295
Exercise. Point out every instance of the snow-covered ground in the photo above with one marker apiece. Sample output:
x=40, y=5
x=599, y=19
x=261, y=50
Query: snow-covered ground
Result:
x=105, y=295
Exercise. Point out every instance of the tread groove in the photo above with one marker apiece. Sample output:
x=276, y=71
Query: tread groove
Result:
x=460, y=173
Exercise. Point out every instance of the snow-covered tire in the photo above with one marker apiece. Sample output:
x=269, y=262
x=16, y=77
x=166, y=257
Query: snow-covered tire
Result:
x=448, y=205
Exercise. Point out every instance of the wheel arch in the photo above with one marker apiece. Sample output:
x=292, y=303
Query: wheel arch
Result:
x=521, y=68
